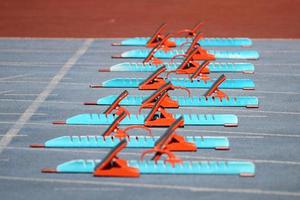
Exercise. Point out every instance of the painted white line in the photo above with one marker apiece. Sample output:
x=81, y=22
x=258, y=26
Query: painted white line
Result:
x=39, y=114
x=12, y=77
x=7, y=91
x=182, y=130
x=99, y=151
x=278, y=39
x=54, y=102
x=25, y=117
x=52, y=64
x=276, y=92
x=246, y=137
x=251, y=92
x=122, y=38
x=44, y=38
x=281, y=162
x=29, y=64
x=253, y=116
x=277, y=74
x=154, y=186
x=45, y=82
x=14, y=136
x=37, y=123
x=247, y=110
x=22, y=50
x=90, y=189
x=280, y=51
x=27, y=94
x=54, y=50
x=278, y=64
x=42, y=78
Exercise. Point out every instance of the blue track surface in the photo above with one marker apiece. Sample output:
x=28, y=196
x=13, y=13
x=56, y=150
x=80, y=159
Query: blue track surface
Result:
x=31, y=99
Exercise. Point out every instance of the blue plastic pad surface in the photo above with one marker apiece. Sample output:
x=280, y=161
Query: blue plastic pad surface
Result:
x=189, y=119
x=182, y=82
x=213, y=67
x=206, y=42
x=219, y=54
x=151, y=167
x=185, y=101
x=202, y=142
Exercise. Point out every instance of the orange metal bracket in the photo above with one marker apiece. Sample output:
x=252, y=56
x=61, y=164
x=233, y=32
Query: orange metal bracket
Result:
x=151, y=59
x=163, y=44
x=174, y=142
x=214, y=90
x=158, y=154
x=194, y=42
x=201, y=54
x=113, y=128
x=191, y=32
x=153, y=82
x=168, y=142
x=158, y=116
x=167, y=102
x=157, y=37
x=190, y=66
x=201, y=72
x=120, y=133
x=113, y=166
x=115, y=105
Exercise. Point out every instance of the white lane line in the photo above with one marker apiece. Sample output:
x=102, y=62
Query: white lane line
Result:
x=275, y=92
x=24, y=94
x=268, y=39
x=48, y=38
x=280, y=51
x=12, y=77
x=278, y=64
x=50, y=64
x=30, y=64
x=45, y=82
x=90, y=189
x=202, y=157
x=54, y=102
x=6, y=91
x=243, y=133
x=251, y=92
x=54, y=50
x=25, y=117
x=188, y=130
x=246, y=137
x=154, y=186
x=277, y=74
x=254, y=116
x=41, y=78
x=39, y=114
x=14, y=136
x=247, y=110
x=281, y=162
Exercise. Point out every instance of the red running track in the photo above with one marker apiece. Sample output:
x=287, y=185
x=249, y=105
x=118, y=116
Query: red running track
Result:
x=121, y=18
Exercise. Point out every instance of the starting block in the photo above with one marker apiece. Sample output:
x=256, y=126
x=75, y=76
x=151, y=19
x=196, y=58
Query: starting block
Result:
x=176, y=41
x=161, y=51
x=211, y=99
x=113, y=166
x=113, y=135
x=154, y=81
x=215, y=67
x=158, y=117
x=188, y=66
